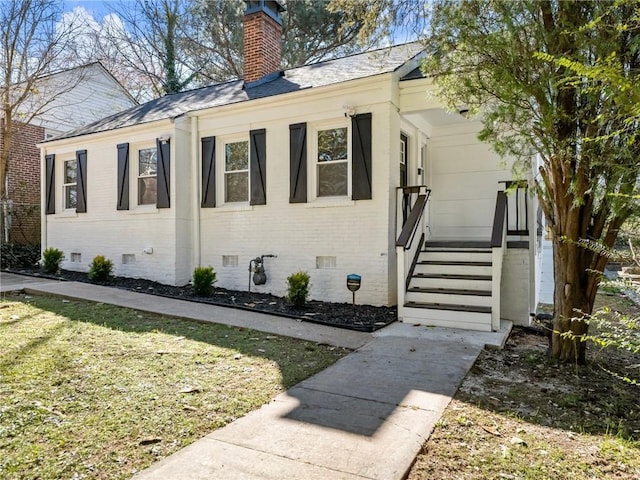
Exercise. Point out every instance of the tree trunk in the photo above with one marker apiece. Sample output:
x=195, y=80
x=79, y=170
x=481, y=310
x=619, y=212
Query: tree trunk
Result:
x=571, y=302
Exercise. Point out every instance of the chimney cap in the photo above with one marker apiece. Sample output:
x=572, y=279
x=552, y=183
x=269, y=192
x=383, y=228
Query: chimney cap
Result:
x=273, y=8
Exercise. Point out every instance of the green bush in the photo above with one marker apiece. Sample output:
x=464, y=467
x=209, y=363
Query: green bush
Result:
x=203, y=280
x=298, y=288
x=19, y=256
x=51, y=258
x=100, y=269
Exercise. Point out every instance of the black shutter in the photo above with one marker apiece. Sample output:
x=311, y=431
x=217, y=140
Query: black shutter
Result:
x=123, y=176
x=51, y=184
x=298, y=163
x=258, y=166
x=81, y=187
x=361, y=161
x=164, y=174
x=208, y=172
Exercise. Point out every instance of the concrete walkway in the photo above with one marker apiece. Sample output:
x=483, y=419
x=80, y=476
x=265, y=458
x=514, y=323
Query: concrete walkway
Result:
x=365, y=417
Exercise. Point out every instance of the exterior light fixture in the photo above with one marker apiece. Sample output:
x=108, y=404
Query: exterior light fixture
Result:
x=349, y=111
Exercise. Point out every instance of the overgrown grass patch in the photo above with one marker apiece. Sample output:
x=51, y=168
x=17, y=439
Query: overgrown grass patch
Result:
x=96, y=391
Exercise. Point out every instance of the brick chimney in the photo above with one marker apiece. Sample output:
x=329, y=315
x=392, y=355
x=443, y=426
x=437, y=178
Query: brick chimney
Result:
x=262, y=39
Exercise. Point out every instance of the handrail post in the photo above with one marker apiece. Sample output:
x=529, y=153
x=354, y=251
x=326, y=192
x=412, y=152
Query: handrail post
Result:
x=407, y=249
x=498, y=243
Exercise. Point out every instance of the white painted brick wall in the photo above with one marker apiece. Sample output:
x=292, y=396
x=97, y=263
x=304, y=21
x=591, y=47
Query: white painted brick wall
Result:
x=515, y=287
x=361, y=235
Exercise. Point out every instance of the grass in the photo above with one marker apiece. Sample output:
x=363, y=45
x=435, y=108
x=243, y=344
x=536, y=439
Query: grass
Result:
x=519, y=415
x=96, y=391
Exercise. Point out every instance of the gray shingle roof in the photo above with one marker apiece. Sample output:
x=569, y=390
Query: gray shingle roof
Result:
x=320, y=74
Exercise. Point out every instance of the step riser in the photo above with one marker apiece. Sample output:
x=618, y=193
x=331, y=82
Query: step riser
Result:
x=453, y=269
x=484, y=301
x=451, y=283
x=448, y=318
x=456, y=256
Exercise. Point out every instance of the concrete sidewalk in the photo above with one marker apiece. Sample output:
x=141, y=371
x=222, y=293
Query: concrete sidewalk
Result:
x=365, y=417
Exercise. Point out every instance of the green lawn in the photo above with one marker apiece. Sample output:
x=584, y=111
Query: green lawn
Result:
x=96, y=391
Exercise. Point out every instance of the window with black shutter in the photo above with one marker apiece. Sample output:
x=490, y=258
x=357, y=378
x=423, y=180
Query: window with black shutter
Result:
x=298, y=163
x=50, y=163
x=123, y=176
x=361, y=178
x=208, y=172
x=258, y=166
x=81, y=163
x=164, y=174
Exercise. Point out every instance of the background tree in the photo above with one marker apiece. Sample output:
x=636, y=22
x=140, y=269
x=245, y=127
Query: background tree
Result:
x=555, y=81
x=311, y=33
x=155, y=47
x=151, y=41
x=31, y=45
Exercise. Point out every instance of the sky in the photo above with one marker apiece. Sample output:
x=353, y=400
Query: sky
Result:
x=97, y=8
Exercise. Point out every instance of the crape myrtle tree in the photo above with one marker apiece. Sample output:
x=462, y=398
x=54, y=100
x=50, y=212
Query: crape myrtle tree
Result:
x=556, y=81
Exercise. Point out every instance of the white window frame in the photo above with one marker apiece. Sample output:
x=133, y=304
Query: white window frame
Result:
x=313, y=171
x=66, y=185
x=221, y=167
x=138, y=175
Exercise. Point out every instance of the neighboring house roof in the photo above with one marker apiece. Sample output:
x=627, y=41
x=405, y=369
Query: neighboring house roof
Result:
x=368, y=64
x=68, y=99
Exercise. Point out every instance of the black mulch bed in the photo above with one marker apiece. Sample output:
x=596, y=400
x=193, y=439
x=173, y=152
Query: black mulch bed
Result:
x=363, y=318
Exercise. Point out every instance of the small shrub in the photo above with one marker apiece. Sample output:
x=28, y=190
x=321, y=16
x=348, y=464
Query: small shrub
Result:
x=19, y=256
x=298, y=288
x=51, y=259
x=203, y=280
x=100, y=269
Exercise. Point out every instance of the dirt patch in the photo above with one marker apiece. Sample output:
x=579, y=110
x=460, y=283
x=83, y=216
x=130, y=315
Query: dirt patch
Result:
x=364, y=318
x=519, y=414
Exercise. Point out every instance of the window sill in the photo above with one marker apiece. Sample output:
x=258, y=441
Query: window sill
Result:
x=143, y=210
x=66, y=214
x=329, y=202
x=234, y=207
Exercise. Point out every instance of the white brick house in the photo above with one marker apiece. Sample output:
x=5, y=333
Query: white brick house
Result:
x=306, y=165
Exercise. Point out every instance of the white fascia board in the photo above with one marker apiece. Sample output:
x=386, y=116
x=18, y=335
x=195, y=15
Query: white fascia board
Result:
x=301, y=96
x=119, y=134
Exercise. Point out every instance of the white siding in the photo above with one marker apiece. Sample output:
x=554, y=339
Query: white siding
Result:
x=75, y=98
x=464, y=176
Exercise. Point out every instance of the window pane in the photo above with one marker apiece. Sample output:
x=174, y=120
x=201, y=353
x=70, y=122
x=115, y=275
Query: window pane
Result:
x=236, y=187
x=332, y=179
x=332, y=145
x=147, y=191
x=147, y=162
x=70, y=196
x=70, y=171
x=236, y=156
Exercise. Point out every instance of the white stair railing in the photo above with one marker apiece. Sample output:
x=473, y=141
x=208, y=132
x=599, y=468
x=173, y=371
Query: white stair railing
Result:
x=408, y=246
x=498, y=244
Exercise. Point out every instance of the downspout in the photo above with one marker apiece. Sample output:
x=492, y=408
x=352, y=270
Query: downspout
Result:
x=195, y=188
